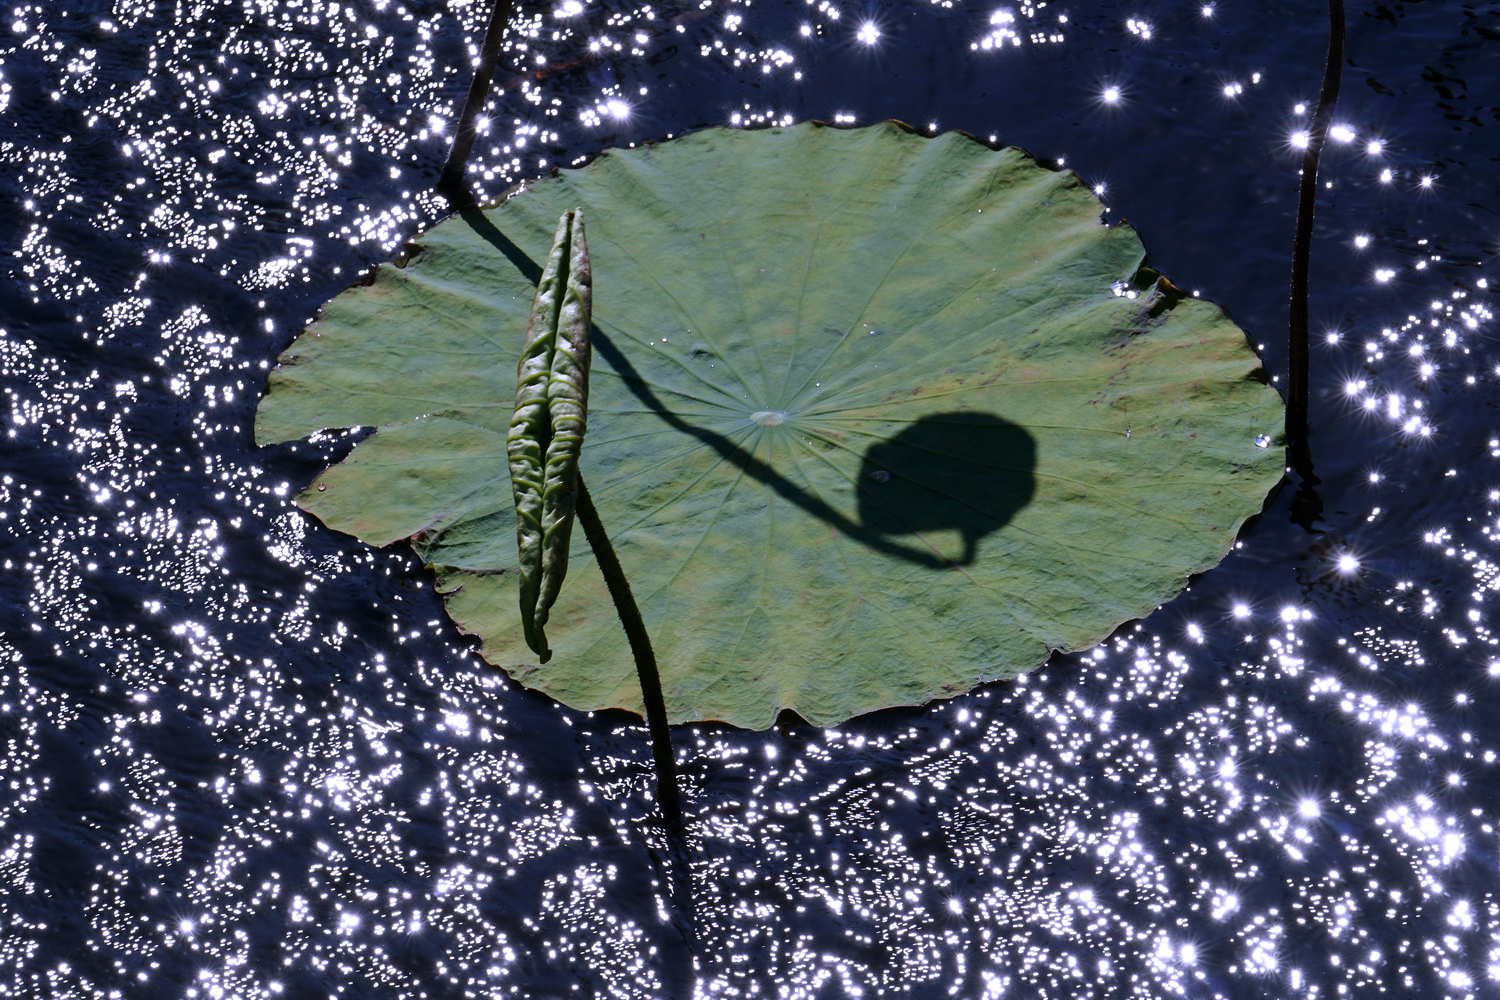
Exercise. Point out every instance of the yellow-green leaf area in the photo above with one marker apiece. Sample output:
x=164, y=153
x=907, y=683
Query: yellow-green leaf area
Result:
x=874, y=418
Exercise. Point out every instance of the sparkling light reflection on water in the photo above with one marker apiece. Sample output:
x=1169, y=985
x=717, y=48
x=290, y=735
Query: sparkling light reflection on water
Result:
x=245, y=757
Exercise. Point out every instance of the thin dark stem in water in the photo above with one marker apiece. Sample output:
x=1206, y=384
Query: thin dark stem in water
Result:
x=451, y=182
x=1299, y=451
x=645, y=659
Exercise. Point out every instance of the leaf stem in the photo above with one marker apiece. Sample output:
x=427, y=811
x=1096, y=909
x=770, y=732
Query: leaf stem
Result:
x=451, y=182
x=645, y=660
x=1299, y=451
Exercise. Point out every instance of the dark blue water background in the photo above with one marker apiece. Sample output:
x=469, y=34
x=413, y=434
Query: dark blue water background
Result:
x=244, y=756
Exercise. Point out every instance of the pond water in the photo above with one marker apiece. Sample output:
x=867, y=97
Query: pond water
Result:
x=244, y=756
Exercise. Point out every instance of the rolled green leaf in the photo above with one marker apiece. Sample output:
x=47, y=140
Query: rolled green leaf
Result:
x=547, y=428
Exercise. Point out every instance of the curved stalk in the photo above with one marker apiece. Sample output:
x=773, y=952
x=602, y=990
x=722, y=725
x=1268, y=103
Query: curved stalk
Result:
x=1307, y=507
x=451, y=182
x=645, y=659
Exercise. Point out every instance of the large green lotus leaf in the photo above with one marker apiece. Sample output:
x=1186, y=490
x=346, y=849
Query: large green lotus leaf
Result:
x=874, y=418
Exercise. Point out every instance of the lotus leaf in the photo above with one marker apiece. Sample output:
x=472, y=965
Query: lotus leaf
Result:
x=874, y=418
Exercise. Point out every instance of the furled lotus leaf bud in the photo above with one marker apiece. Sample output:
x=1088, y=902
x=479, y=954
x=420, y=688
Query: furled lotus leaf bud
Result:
x=547, y=428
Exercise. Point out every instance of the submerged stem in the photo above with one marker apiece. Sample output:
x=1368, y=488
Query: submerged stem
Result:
x=645, y=659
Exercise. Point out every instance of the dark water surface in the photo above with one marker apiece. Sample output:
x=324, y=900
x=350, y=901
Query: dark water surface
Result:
x=244, y=756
